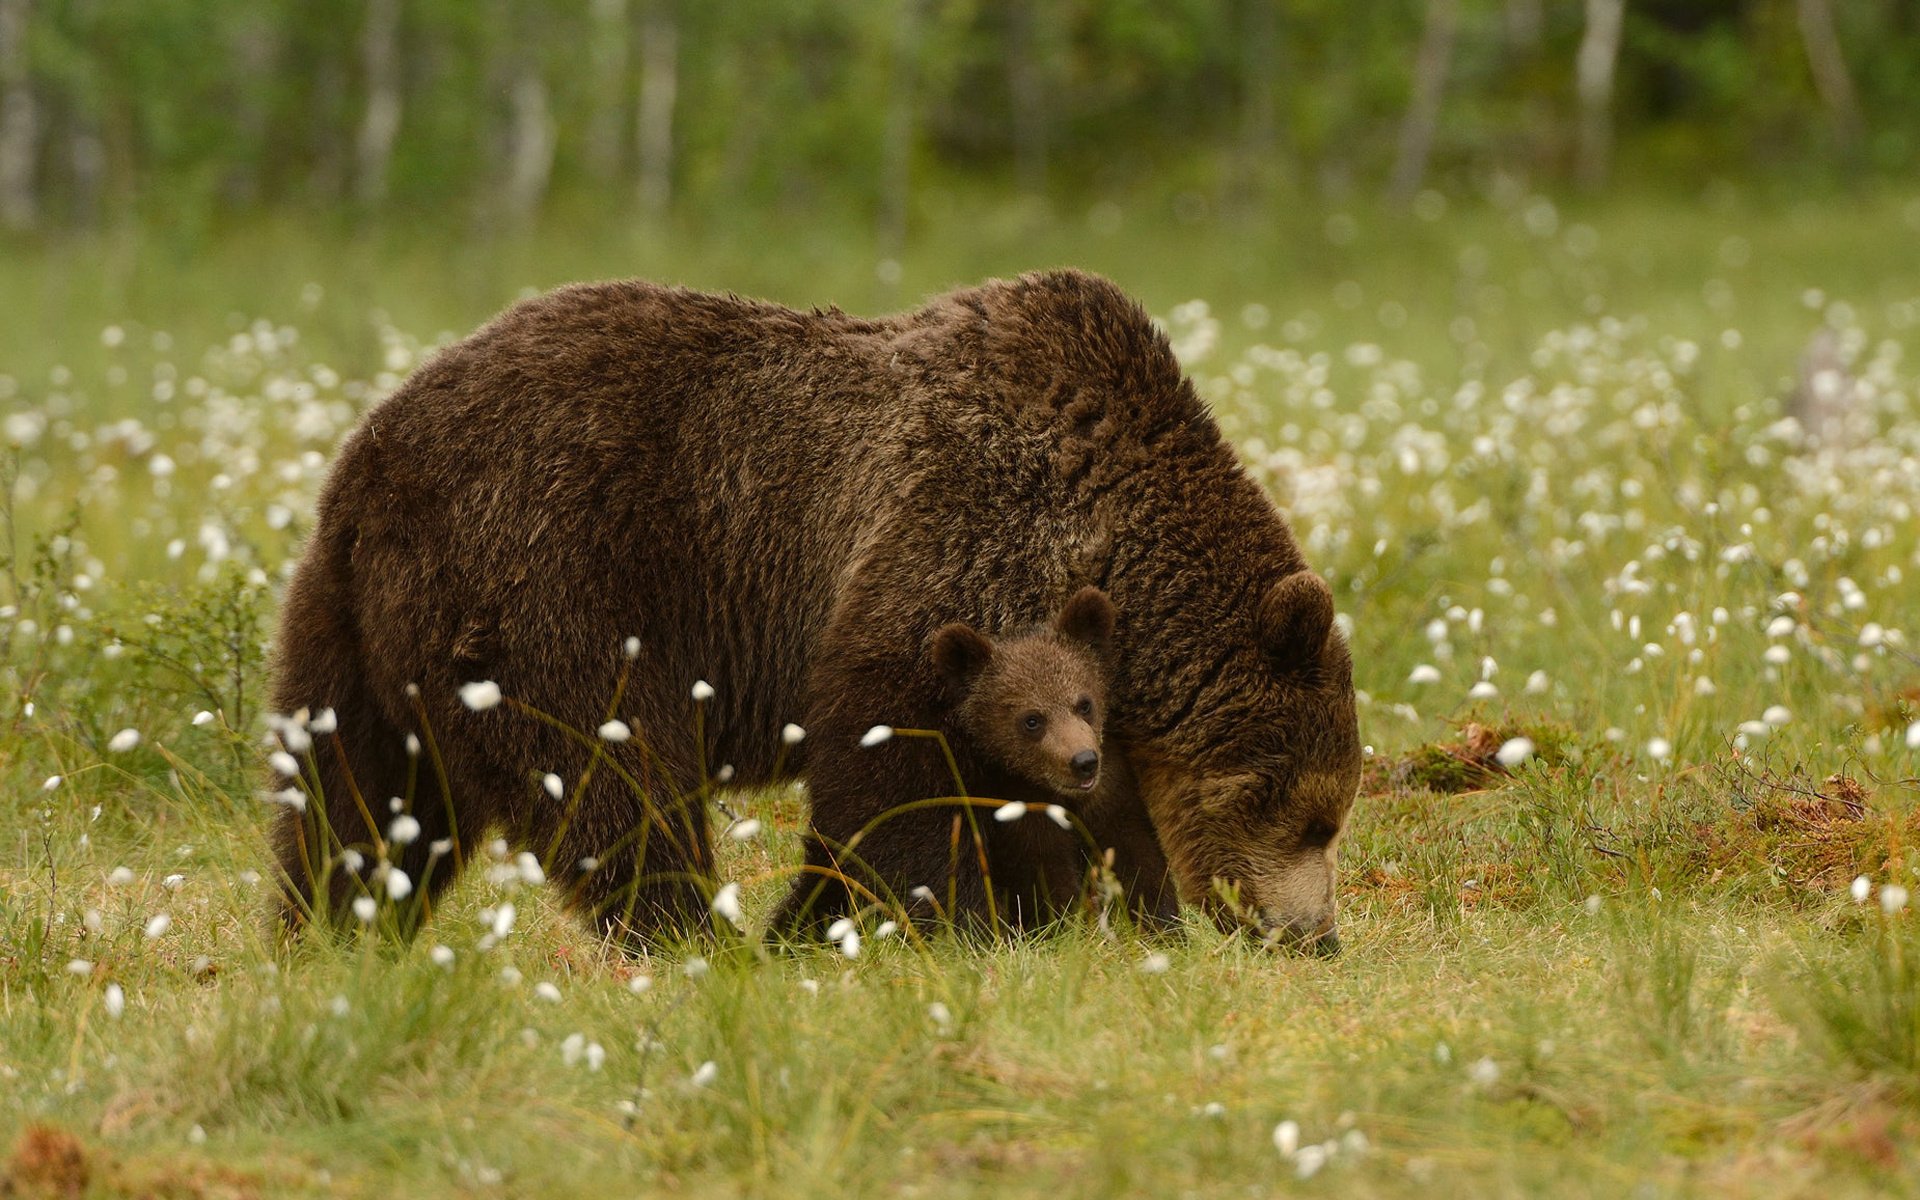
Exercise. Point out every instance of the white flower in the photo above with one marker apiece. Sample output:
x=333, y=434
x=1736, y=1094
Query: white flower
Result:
x=574, y=1045
x=324, y=722
x=886, y=929
x=399, y=885
x=502, y=923
x=742, y=831
x=413, y=745
x=1872, y=634
x=1779, y=656
x=1059, y=816
x=850, y=944
x=631, y=648
x=79, y=966
x=442, y=956
x=1592, y=905
x=839, y=929
x=1424, y=673
x=1012, y=810
x=1484, y=1072
x=1308, y=1162
x=1659, y=749
x=405, y=830
x=1514, y=751
x=1484, y=690
x=873, y=737
x=158, y=924
x=1893, y=898
x=115, y=1001
x=791, y=734
x=694, y=968
x=1538, y=683
x=726, y=904
x=1861, y=889
x=365, y=908
x=546, y=990
x=1704, y=686
x=1155, y=964
x=284, y=763
x=529, y=869
x=556, y=787
x=53, y=781
x=940, y=1015
x=172, y=882
x=1913, y=736
x=596, y=1056
x=120, y=877
x=705, y=1074
x=702, y=691
x=1781, y=626
x=203, y=717
x=481, y=695
x=615, y=731
x=1286, y=1137
x=1777, y=715
x=123, y=741
x=640, y=984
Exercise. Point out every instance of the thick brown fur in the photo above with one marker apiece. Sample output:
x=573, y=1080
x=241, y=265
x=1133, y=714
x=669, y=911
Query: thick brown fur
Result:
x=787, y=505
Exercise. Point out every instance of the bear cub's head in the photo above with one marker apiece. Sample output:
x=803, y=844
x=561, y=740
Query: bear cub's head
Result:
x=1034, y=701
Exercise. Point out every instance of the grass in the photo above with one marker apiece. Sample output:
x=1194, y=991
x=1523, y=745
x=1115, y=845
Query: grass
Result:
x=1628, y=962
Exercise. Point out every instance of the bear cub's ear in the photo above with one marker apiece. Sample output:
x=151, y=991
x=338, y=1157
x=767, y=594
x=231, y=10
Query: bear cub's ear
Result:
x=959, y=651
x=1296, y=616
x=1087, y=618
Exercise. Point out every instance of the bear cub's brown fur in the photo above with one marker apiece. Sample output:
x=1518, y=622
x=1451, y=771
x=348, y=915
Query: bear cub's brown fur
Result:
x=1032, y=703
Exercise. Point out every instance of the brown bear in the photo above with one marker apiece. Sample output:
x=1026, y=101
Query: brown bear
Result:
x=616, y=491
x=1029, y=706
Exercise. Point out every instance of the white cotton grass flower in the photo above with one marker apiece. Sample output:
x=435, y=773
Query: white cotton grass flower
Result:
x=850, y=944
x=1058, y=814
x=284, y=763
x=1286, y=1137
x=702, y=691
x=442, y=957
x=157, y=925
x=1538, y=683
x=203, y=717
x=705, y=1074
x=1893, y=898
x=1778, y=656
x=1913, y=736
x=1777, y=716
x=640, y=985
x=1861, y=889
x=940, y=1015
x=120, y=877
x=744, y=830
x=173, y=882
x=1155, y=963
x=366, y=908
x=1514, y=751
x=1484, y=1072
x=1308, y=1162
x=1424, y=673
x=480, y=695
x=1703, y=686
x=875, y=736
x=1012, y=810
x=1781, y=626
x=840, y=928
x=1659, y=749
x=615, y=731
x=399, y=884
x=123, y=741
x=80, y=966
x=1484, y=690
x=53, y=781
x=324, y=722
x=500, y=922
x=886, y=929
x=554, y=785
x=528, y=868
x=791, y=734
x=695, y=968
x=726, y=904
x=404, y=830
x=114, y=1000
x=547, y=990
x=631, y=648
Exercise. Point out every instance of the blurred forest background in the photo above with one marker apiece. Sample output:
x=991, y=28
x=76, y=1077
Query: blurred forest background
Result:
x=481, y=115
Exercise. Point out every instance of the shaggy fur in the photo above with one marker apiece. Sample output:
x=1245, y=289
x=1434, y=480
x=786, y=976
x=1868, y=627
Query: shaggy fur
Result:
x=787, y=505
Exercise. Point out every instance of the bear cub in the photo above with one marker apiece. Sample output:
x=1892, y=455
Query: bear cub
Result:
x=1031, y=704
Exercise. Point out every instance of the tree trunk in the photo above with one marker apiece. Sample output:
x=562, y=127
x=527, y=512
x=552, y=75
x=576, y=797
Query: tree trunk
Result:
x=1261, y=76
x=896, y=149
x=659, y=91
x=19, y=121
x=608, y=55
x=380, y=122
x=530, y=157
x=1829, y=66
x=1429, y=88
x=1026, y=91
x=1593, y=79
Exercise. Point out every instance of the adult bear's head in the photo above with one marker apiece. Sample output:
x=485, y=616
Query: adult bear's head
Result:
x=1250, y=788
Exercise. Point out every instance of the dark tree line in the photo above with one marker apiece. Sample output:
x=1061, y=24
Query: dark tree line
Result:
x=492, y=109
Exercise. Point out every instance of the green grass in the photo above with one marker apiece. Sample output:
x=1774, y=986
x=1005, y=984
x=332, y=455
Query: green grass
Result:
x=1629, y=964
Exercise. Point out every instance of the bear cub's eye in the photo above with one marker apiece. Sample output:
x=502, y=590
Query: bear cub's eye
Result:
x=1032, y=722
x=1319, y=835
x=1085, y=707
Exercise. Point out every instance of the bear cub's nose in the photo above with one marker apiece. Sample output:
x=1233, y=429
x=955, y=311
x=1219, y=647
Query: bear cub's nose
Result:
x=1086, y=765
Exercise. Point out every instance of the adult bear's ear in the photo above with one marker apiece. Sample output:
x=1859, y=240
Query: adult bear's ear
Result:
x=1295, y=616
x=1087, y=617
x=959, y=652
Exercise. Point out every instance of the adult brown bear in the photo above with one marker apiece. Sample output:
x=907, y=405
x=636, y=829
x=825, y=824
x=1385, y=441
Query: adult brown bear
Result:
x=786, y=505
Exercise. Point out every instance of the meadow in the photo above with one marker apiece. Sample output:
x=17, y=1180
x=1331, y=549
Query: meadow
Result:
x=1625, y=897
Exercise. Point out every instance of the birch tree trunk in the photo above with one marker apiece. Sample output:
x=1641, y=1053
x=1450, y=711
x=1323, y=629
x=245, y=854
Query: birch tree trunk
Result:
x=1829, y=66
x=1429, y=89
x=19, y=120
x=380, y=122
x=1026, y=91
x=608, y=56
x=659, y=91
x=896, y=148
x=1593, y=80
x=530, y=157
x=1260, y=74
